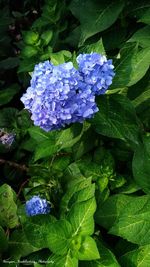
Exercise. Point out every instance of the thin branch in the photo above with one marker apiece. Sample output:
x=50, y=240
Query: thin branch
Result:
x=21, y=187
x=7, y=232
x=14, y=164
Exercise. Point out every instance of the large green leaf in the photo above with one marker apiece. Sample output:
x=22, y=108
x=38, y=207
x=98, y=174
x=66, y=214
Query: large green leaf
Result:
x=145, y=18
x=94, y=47
x=62, y=261
x=9, y=63
x=59, y=237
x=46, y=142
x=83, y=194
x=141, y=164
x=36, y=230
x=90, y=170
x=145, y=96
x=88, y=250
x=107, y=258
x=142, y=36
x=95, y=16
x=81, y=217
x=38, y=134
x=60, y=57
x=8, y=207
x=19, y=245
x=8, y=117
x=136, y=258
x=70, y=136
x=133, y=223
x=132, y=65
x=107, y=212
x=3, y=239
x=116, y=118
x=137, y=8
x=71, y=192
x=45, y=149
x=7, y=94
x=84, y=146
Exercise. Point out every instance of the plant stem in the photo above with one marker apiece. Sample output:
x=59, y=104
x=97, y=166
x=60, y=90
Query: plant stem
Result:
x=14, y=164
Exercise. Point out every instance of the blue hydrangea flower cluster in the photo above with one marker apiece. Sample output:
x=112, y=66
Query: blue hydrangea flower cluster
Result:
x=96, y=71
x=37, y=205
x=6, y=138
x=61, y=95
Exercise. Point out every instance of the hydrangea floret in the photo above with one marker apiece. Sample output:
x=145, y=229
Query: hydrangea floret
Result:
x=61, y=95
x=37, y=205
x=96, y=71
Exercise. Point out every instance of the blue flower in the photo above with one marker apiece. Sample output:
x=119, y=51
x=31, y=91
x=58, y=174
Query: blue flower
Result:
x=6, y=138
x=61, y=95
x=58, y=96
x=96, y=71
x=37, y=205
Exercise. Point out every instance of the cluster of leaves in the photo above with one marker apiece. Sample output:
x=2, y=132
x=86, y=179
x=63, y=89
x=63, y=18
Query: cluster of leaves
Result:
x=95, y=175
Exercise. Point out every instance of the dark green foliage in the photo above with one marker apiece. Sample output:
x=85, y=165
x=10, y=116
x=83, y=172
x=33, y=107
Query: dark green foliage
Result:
x=95, y=175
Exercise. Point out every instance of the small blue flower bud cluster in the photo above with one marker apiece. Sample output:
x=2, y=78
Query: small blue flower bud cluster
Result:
x=60, y=95
x=6, y=138
x=37, y=205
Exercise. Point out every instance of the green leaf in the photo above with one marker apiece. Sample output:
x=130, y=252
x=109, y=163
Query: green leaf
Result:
x=94, y=47
x=116, y=118
x=58, y=238
x=8, y=207
x=45, y=149
x=81, y=217
x=83, y=145
x=46, y=36
x=107, y=258
x=38, y=134
x=61, y=163
x=133, y=223
x=114, y=37
x=8, y=117
x=88, y=250
x=19, y=245
x=141, y=164
x=36, y=230
x=70, y=136
x=46, y=142
x=142, y=36
x=9, y=63
x=60, y=57
x=62, y=261
x=145, y=18
x=83, y=194
x=3, y=239
x=138, y=257
x=95, y=16
x=90, y=170
x=145, y=96
x=107, y=212
x=23, y=120
x=132, y=65
x=29, y=51
x=5, y=20
x=27, y=65
x=137, y=9
x=30, y=37
x=7, y=94
x=79, y=185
